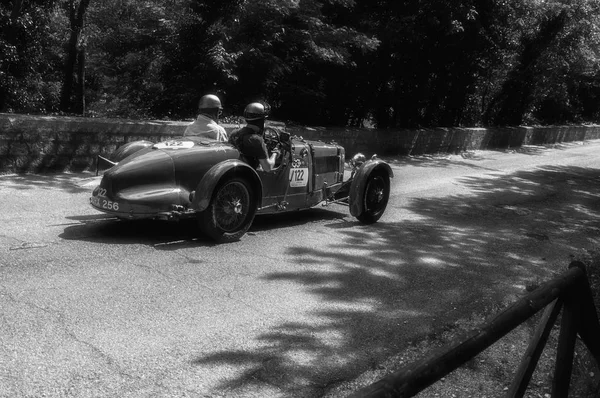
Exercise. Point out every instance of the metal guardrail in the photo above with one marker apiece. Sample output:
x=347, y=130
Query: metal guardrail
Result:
x=569, y=292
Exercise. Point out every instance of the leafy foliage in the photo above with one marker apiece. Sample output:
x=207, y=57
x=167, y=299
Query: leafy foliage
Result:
x=29, y=57
x=389, y=63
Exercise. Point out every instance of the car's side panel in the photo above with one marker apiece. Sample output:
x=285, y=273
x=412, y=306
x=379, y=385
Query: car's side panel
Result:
x=289, y=186
x=299, y=183
x=328, y=160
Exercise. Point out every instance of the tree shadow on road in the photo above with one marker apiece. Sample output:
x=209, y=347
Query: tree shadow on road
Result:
x=464, y=159
x=402, y=281
x=71, y=183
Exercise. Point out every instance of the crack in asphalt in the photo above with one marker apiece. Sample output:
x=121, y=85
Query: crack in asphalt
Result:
x=60, y=320
x=95, y=350
x=29, y=245
x=25, y=245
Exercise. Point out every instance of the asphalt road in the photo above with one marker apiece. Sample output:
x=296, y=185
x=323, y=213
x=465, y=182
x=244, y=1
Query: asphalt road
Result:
x=95, y=307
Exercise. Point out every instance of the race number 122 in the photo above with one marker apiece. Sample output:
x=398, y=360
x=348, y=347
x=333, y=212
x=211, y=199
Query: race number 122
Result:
x=298, y=177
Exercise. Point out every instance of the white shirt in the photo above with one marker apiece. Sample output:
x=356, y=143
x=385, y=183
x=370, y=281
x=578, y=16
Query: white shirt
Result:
x=206, y=127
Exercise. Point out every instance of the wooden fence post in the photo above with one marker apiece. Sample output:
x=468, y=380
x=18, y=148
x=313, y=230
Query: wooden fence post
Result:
x=534, y=350
x=589, y=326
x=571, y=318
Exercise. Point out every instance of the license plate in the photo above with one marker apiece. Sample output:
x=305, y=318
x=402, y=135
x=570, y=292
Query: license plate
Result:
x=103, y=203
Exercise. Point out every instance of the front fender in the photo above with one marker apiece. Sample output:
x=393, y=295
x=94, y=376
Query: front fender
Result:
x=206, y=186
x=357, y=188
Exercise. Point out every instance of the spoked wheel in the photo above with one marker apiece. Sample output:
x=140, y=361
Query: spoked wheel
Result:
x=375, y=199
x=231, y=211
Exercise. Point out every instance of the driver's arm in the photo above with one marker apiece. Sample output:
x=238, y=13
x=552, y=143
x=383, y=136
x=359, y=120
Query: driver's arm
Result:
x=268, y=164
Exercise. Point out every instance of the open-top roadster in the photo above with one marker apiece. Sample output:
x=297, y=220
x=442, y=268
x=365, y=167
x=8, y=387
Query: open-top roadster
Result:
x=209, y=180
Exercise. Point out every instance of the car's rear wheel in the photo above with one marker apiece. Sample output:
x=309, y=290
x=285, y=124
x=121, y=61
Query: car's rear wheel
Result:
x=375, y=197
x=230, y=212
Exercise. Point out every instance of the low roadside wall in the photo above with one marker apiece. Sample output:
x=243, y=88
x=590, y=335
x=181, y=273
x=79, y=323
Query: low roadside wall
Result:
x=48, y=144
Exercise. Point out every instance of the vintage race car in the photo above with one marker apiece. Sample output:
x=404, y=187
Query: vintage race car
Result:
x=209, y=180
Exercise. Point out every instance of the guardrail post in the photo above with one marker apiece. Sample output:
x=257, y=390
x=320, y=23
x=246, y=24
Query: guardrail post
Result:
x=589, y=325
x=534, y=350
x=570, y=321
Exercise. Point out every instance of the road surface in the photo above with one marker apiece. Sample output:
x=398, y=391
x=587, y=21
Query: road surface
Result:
x=95, y=307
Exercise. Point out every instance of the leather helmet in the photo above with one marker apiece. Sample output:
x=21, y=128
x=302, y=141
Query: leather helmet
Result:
x=209, y=101
x=255, y=111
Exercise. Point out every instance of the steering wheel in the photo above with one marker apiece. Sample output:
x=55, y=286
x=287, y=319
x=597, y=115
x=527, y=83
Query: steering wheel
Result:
x=271, y=137
x=273, y=143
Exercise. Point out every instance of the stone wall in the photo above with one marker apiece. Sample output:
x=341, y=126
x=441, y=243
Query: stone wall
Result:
x=51, y=144
x=447, y=140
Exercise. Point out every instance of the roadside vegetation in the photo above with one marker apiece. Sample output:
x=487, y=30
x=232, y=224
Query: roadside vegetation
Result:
x=490, y=374
x=389, y=64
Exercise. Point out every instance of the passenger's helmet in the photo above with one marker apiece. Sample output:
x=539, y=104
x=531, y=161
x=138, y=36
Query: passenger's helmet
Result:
x=255, y=111
x=210, y=101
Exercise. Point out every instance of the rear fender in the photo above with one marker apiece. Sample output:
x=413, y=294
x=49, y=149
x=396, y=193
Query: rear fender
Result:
x=121, y=153
x=204, y=191
x=357, y=188
x=129, y=149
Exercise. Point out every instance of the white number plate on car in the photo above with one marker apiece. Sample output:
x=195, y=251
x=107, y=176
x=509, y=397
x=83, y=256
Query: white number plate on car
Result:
x=174, y=144
x=298, y=177
x=105, y=203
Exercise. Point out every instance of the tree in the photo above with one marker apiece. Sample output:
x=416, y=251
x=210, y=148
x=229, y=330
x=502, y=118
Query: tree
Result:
x=555, y=59
x=290, y=53
x=196, y=61
x=75, y=57
x=435, y=59
x=563, y=94
x=28, y=59
x=517, y=91
x=394, y=63
x=127, y=42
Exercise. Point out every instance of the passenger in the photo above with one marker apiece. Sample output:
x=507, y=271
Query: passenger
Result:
x=249, y=140
x=209, y=110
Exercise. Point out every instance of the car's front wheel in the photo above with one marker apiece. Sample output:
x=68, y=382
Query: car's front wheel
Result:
x=230, y=212
x=375, y=197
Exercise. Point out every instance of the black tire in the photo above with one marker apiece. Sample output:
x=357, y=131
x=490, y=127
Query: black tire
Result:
x=230, y=212
x=375, y=197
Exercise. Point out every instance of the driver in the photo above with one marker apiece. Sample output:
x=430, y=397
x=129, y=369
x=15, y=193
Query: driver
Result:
x=249, y=140
x=206, y=125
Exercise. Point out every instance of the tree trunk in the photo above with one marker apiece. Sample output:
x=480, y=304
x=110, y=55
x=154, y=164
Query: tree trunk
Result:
x=80, y=104
x=76, y=19
x=16, y=11
x=516, y=95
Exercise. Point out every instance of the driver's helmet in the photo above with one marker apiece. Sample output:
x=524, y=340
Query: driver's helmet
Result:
x=357, y=160
x=255, y=111
x=210, y=101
